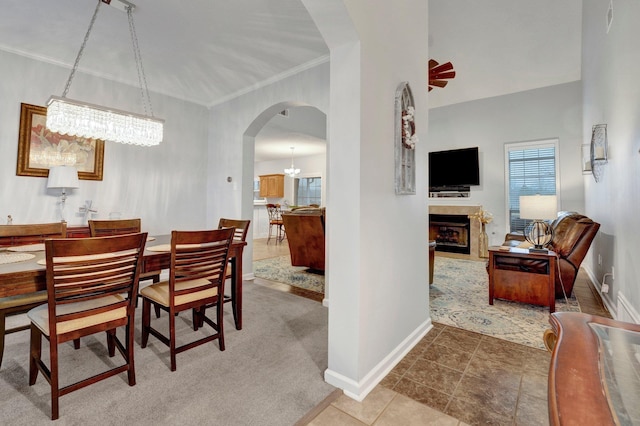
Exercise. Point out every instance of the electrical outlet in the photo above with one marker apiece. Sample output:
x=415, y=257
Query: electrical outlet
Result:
x=605, y=288
x=613, y=273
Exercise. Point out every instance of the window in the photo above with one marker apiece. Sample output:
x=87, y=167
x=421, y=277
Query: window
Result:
x=531, y=168
x=307, y=191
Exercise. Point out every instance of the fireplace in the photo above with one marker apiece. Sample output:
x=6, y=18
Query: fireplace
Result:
x=450, y=232
x=458, y=235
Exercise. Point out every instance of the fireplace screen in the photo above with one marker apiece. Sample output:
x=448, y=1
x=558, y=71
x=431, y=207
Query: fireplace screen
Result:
x=450, y=232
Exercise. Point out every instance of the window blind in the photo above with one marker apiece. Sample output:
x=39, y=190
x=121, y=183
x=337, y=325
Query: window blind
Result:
x=531, y=170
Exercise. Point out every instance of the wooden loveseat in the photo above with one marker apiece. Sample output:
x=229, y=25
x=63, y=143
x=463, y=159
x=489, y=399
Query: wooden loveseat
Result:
x=305, y=235
x=572, y=237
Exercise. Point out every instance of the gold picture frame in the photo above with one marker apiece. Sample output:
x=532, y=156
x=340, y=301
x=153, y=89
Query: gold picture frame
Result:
x=39, y=148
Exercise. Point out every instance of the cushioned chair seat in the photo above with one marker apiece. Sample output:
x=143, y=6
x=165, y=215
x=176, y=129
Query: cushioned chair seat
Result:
x=40, y=315
x=159, y=292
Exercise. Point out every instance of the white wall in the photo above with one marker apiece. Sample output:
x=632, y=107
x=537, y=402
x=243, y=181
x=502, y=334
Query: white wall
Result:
x=549, y=112
x=233, y=126
x=163, y=185
x=612, y=96
x=377, y=240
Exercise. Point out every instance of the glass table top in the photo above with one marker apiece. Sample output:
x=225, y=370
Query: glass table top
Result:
x=619, y=359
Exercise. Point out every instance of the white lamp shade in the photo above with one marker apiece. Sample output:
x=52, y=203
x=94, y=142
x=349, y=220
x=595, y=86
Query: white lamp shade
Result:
x=538, y=207
x=63, y=177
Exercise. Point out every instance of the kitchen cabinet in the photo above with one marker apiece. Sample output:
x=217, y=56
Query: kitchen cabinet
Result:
x=272, y=186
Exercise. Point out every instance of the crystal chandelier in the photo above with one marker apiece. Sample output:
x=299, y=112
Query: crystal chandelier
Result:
x=82, y=119
x=292, y=171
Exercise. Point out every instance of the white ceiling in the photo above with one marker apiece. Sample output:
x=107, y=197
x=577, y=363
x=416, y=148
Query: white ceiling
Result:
x=304, y=128
x=207, y=51
x=202, y=51
x=499, y=47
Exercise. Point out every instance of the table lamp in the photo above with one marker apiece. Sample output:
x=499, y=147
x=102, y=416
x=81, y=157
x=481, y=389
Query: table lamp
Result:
x=62, y=177
x=539, y=208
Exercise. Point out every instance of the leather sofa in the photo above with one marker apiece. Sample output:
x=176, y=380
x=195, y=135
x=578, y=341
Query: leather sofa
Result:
x=305, y=232
x=572, y=237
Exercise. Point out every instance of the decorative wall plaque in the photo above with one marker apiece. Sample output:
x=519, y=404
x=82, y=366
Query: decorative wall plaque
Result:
x=599, y=150
x=405, y=141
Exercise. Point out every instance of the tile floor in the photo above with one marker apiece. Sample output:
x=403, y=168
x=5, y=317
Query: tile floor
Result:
x=456, y=377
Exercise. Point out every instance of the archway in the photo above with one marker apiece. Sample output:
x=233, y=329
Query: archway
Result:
x=307, y=129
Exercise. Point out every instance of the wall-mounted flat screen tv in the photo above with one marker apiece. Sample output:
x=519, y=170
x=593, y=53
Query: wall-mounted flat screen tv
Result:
x=454, y=170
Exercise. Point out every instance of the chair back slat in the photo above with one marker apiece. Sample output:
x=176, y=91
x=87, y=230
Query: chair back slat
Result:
x=241, y=225
x=199, y=258
x=101, y=272
x=101, y=228
x=15, y=235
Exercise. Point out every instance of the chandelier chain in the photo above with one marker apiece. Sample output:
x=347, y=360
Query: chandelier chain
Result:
x=84, y=43
x=142, y=79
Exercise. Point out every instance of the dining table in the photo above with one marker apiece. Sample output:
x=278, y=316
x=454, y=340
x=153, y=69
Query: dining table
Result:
x=29, y=276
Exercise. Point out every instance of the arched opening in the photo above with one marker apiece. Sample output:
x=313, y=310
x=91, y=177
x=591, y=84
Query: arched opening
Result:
x=268, y=141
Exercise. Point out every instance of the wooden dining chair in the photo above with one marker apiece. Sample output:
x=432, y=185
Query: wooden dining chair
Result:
x=91, y=287
x=103, y=228
x=19, y=235
x=275, y=221
x=196, y=279
x=241, y=227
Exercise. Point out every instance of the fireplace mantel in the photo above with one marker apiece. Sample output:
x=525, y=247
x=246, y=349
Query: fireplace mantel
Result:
x=474, y=237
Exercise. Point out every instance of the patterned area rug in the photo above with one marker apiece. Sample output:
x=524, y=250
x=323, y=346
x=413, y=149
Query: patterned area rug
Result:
x=459, y=297
x=279, y=269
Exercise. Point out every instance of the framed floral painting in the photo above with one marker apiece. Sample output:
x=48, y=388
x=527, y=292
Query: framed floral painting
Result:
x=39, y=148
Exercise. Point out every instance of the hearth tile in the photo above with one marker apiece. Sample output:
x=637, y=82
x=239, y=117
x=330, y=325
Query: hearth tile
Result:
x=508, y=353
x=532, y=411
x=403, y=410
x=434, y=375
x=428, y=338
x=416, y=352
x=537, y=361
x=403, y=366
x=490, y=369
x=491, y=394
x=458, y=340
x=332, y=416
x=449, y=357
x=370, y=408
x=463, y=332
x=390, y=380
x=491, y=345
x=423, y=394
x=437, y=328
x=476, y=414
x=535, y=385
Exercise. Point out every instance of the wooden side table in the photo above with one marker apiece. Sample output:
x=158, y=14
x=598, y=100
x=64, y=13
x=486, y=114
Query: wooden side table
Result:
x=510, y=281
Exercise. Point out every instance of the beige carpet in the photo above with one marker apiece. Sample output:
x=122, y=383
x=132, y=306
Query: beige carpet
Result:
x=270, y=374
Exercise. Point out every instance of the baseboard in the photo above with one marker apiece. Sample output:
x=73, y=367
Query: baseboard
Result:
x=626, y=312
x=358, y=390
x=606, y=300
x=248, y=277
